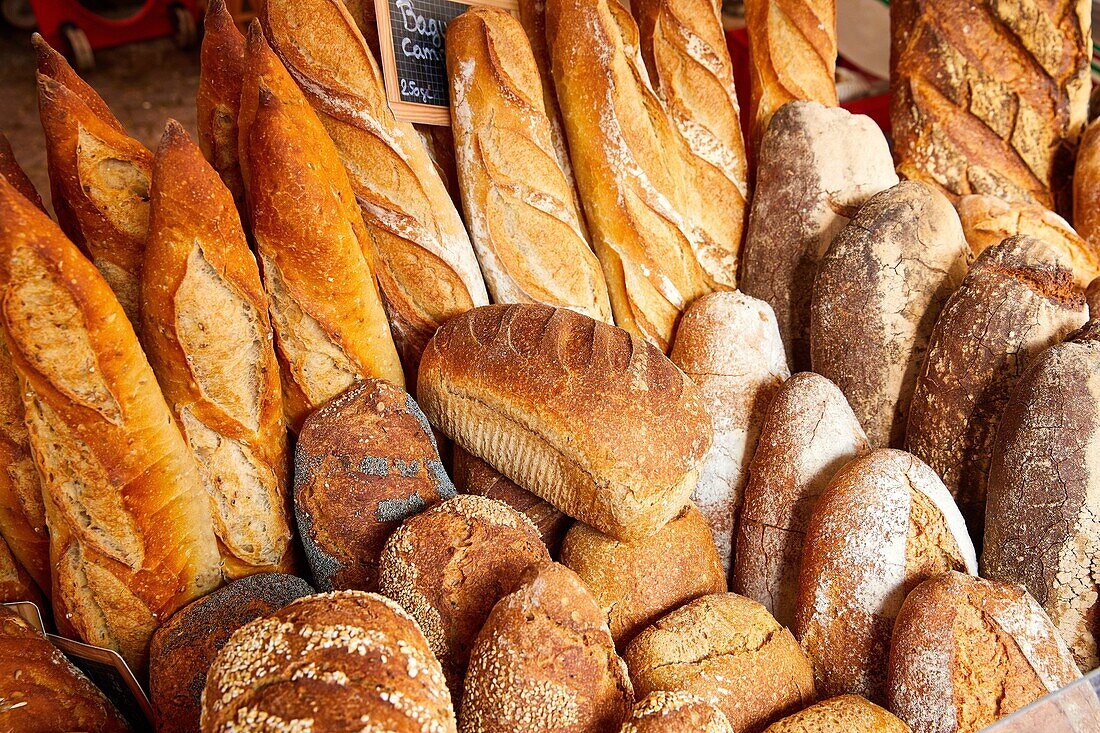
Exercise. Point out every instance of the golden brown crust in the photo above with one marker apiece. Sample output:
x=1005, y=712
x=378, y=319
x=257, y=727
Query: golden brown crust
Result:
x=17, y=177
x=15, y=583
x=842, y=713
x=218, y=102
x=676, y=712
x=1086, y=187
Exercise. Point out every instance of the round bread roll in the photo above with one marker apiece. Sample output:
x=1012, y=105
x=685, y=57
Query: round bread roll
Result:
x=187, y=643
x=728, y=650
x=449, y=565
x=843, y=714
x=40, y=689
x=676, y=712
x=544, y=662
x=967, y=651
x=809, y=433
x=364, y=461
x=885, y=523
x=328, y=663
x=635, y=583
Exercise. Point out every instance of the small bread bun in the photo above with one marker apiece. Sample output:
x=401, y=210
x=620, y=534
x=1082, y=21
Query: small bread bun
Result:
x=843, y=714
x=676, y=712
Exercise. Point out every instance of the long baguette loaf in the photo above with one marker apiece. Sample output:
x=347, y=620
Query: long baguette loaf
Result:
x=518, y=203
x=10, y=169
x=330, y=328
x=218, y=102
x=208, y=337
x=130, y=532
x=422, y=254
x=15, y=584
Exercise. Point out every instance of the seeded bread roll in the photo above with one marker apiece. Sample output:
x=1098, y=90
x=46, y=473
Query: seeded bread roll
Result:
x=328, y=663
x=967, y=651
x=544, y=662
x=449, y=565
x=218, y=102
x=720, y=647
x=15, y=583
x=1018, y=299
x=635, y=583
x=1043, y=510
x=364, y=462
x=729, y=344
x=840, y=715
x=884, y=524
x=877, y=293
x=185, y=646
x=815, y=167
x=17, y=177
x=808, y=434
x=676, y=712
x=1086, y=186
x=595, y=421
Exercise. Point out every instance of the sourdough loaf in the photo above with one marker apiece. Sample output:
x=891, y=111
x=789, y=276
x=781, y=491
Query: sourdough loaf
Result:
x=1086, y=187
x=676, y=712
x=218, y=102
x=838, y=714
x=17, y=177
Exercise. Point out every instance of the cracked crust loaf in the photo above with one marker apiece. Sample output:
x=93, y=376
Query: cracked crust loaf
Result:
x=17, y=177
x=878, y=291
x=884, y=524
x=588, y=417
x=364, y=462
x=968, y=651
x=218, y=101
x=328, y=663
x=808, y=435
x=544, y=662
x=635, y=583
x=840, y=714
x=676, y=712
x=1043, y=510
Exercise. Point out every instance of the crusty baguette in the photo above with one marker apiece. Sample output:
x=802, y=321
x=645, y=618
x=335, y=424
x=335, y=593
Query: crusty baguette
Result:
x=99, y=176
x=10, y=169
x=519, y=205
x=1086, y=186
x=15, y=583
x=422, y=254
x=130, y=532
x=330, y=328
x=218, y=102
x=208, y=337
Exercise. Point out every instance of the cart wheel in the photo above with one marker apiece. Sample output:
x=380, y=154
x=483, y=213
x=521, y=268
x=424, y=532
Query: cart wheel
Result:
x=187, y=32
x=83, y=58
x=19, y=14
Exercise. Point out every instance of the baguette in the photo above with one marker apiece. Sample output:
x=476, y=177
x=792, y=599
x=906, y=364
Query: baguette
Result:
x=439, y=141
x=208, y=337
x=218, y=102
x=15, y=584
x=130, y=532
x=525, y=226
x=17, y=177
x=1086, y=187
x=422, y=254
x=330, y=328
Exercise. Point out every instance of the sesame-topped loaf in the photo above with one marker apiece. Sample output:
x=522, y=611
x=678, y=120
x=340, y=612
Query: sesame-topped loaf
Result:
x=676, y=712
x=329, y=663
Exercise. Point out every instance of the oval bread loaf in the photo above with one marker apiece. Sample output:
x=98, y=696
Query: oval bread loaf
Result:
x=676, y=712
x=840, y=715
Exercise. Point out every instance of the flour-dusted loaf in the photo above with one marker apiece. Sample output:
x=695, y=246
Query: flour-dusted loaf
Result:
x=544, y=662
x=729, y=344
x=816, y=166
x=130, y=532
x=839, y=715
x=326, y=311
x=526, y=226
x=591, y=418
x=99, y=176
x=878, y=290
x=208, y=338
x=328, y=663
x=1018, y=299
x=1086, y=186
x=884, y=524
x=676, y=712
x=218, y=101
x=422, y=254
x=17, y=177
x=364, y=462
x=967, y=651
x=808, y=435
x=1043, y=510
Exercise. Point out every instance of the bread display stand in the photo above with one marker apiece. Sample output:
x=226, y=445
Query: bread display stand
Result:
x=1072, y=709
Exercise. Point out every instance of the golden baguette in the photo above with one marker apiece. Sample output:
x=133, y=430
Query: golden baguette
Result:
x=10, y=169
x=218, y=102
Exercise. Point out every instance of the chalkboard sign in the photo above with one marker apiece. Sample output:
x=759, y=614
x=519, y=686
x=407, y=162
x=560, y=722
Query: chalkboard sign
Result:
x=414, y=59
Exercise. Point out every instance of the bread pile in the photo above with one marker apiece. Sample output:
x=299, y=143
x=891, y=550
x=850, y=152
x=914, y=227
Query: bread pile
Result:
x=751, y=438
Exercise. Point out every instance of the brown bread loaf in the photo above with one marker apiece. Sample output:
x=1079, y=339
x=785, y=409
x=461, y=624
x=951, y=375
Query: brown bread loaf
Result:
x=729, y=344
x=884, y=524
x=218, y=102
x=449, y=565
x=877, y=293
x=595, y=421
x=17, y=177
x=967, y=651
x=815, y=168
x=42, y=691
x=840, y=715
x=364, y=462
x=990, y=97
x=185, y=646
x=635, y=583
x=807, y=436
x=328, y=663
x=1092, y=297
x=1086, y=186
x=15, y=583
x=526, y=226
x=676, y=712
x=718, y=647
x=1042, y=514
x=208, y=338
x=421, y=252
x=130, y=532
x=544, y=662
x=330, y=330
x=99, y=176
x=1018, y=298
